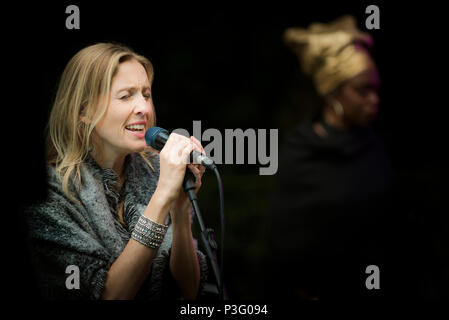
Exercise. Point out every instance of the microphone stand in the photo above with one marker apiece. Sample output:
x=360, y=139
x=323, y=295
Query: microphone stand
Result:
x=206, y=234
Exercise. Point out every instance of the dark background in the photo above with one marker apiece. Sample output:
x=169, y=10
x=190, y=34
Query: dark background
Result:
x=225, y=64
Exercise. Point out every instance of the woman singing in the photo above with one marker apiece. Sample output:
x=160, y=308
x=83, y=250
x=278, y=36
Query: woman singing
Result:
x=116, y=223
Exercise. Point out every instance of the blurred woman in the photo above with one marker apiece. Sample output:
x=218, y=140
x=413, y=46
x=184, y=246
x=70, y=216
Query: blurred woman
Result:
x=334, y=180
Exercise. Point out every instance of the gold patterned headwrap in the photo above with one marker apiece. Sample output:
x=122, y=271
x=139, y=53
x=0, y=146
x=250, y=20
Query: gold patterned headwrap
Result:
x=330, y=53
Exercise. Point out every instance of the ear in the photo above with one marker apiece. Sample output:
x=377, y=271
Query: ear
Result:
x=82, y=117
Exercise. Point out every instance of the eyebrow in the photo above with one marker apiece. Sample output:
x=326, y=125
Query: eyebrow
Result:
x=133, y=88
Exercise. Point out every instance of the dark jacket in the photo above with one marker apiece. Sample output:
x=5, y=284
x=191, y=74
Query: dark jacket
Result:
x=330, y=205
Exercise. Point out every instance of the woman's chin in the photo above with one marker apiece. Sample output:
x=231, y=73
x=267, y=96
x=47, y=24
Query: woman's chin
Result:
x=137, y=147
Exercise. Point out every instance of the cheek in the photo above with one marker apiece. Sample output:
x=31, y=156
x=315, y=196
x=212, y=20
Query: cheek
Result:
x=113, y=121
x=354, y=102
x=118, y=115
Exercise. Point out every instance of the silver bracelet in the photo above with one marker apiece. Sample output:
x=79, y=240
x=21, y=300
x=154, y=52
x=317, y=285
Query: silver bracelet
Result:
x=149, y=233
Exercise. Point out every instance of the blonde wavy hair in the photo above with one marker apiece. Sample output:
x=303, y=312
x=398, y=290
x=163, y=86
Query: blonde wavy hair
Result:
x=84, y=89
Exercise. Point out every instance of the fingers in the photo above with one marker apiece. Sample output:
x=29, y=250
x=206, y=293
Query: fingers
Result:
x=185, y=153
x=198, y=145
x=178, y=149
x=175, y=139
x=198, y=175
x=201, y=168
x=199, y=148
x=174, y=157
x=196, y=170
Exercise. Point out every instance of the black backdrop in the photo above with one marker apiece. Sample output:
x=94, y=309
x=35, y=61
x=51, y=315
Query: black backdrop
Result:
x=225, y=64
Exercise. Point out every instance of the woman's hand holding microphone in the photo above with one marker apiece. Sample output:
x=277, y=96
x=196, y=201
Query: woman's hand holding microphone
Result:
x=173, y=159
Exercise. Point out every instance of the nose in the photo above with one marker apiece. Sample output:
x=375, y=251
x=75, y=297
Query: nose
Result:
x=142, y=106
x=374, y=98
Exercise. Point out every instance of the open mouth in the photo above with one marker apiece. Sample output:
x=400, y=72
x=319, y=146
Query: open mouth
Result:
x=136, y=128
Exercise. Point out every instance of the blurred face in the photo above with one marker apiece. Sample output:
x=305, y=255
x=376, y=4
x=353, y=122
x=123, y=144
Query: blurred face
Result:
x=359, y=98
x=122, y=128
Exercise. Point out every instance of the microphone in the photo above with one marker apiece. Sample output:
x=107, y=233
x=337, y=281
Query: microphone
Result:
x=157, y=137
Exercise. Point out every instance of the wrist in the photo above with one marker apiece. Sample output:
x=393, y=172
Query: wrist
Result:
x=158, y=207
x=164, y=198
x=181, y=229
x=167, y=190
x=181, y=216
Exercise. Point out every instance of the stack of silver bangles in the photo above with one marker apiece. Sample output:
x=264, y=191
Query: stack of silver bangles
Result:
x=149, y=233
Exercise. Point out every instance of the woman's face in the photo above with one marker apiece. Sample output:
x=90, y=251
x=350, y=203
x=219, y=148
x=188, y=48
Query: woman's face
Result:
x=359, y=98
x=122, y=128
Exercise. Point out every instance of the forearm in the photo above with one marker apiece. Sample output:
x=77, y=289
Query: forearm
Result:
x=184, y=261
x=128, y=272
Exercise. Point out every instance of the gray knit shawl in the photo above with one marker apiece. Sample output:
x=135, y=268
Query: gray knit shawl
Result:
x=90, y=236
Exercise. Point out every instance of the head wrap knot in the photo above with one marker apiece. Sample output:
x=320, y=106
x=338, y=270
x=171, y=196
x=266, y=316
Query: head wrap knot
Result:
x=330, y=53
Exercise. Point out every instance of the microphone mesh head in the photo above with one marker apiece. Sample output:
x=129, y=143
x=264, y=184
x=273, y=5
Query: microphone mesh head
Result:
x=151, y=137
